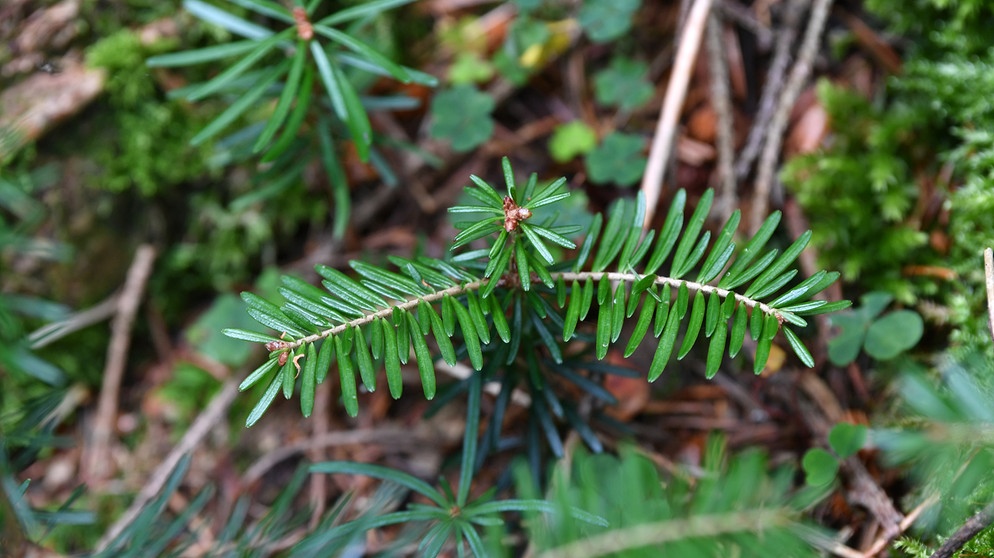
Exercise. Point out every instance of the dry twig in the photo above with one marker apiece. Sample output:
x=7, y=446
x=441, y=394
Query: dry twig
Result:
x=676, y=92
x=210, y=417
x=774, y=82
x=721, y=99
x=966, y=532
x=96, y=465
x=798, y=77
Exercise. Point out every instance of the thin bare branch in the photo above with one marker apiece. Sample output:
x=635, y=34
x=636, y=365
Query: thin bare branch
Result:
x=676, y=92
x=97, y=464
x=795, y=82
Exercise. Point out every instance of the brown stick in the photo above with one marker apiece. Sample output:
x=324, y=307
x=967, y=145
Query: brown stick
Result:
x=721, y=99
x=798, y=77
x=774, y=82
x=676, y=92
x=966, y=532
x=97, y=464
x=210, y=417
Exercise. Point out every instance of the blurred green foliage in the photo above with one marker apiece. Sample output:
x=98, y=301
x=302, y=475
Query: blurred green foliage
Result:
x=617, y=160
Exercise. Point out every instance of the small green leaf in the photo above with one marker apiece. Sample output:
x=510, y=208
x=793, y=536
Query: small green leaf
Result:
x=588, y=297
x=476, y=314
x=572, y=311
x=713, y=314
x=893, y=334
x=617, y=160
x=470, y=338
x=844, y=348
x=426, y=368
x=570, y=140
x=847, y=439
x=618, y=313
x=226, y=20
x=236, y=109
x=246, y=335
x=606, y=20
x=265, y=401
x=366, y=370
x=325, y=356
x=521, y=259
x=345, y=372
x=289, y=377
x=469, y=68
x=623, y=84
x=499, y=319
x=693, y=326
x=716, y=350
x=308, y=381
x=750, y=251
x=738, y=331
x=666, y=342
x=641, y=326
x=442, y=340
x=799, y=349
x=669, y=234
x=201, y=55
x=462, y=116
x=604, y=314
x=820, y=467
x=682, y=261
x=287, y=98
x=258, y=374
x=391, y=362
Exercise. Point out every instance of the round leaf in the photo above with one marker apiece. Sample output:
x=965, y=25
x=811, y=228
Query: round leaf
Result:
x=571, y=139
x=893, y=334
x=820, y=467
x=846, y=439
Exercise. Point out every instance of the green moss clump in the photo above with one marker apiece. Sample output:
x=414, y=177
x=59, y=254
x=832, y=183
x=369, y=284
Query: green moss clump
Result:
x=902, y=199
x=146, y=145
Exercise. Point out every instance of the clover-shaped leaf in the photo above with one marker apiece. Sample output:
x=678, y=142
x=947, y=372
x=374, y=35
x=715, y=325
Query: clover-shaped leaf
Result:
x=623, y=84
x=882, y=338
x=470, y=68
x=571, y=139
x=605, y=20
x=618, y=160
x=820, y=467
x=893, y=334
x=847, y=439
x=462, y=116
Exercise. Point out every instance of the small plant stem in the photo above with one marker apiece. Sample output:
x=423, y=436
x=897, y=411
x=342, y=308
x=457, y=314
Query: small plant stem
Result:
x=633, y=277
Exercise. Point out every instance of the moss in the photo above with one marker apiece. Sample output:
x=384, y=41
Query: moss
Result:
x=146, y=143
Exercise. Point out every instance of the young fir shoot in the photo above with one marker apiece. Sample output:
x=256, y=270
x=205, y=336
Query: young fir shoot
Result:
x=661, y=282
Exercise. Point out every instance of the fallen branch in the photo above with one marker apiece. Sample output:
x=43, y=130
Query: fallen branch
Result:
x=96, y=466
